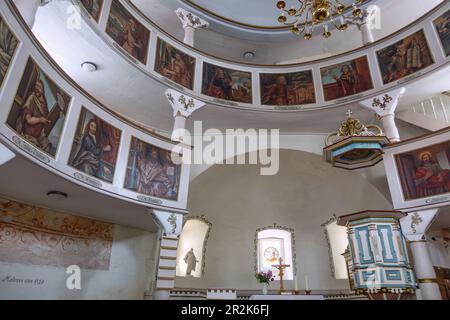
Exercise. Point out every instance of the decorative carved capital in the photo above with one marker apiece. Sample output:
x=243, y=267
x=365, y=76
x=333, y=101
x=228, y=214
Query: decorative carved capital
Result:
x=190, y=20
x=384, y=104
x=182, y=104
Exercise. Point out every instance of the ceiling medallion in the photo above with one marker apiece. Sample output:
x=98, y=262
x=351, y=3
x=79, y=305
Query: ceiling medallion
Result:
x=312, y=13
x=355, y=145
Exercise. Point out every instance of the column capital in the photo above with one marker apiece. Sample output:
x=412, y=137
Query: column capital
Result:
x=415, y=224
x=182, y=104
x=189, y=20
x=384, y=104
x=366, y=18
x=170, y=222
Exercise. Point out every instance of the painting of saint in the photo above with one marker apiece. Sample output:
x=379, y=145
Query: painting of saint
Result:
x=405, y=57
x=425, y=172
x=39, y=109
x=151, y=171
x=227, y=84
x=174, y=64
x=8, y=45
x=94, y=7
x=285, y=89
x=128, y=32
x=442, y=25
x=95, y=147
x=346, y=78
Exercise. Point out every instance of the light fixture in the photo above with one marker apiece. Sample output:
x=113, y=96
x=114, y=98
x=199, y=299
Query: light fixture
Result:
x=249, y=55
x=89, y=66
x=5, y=154
x=312, y=13
x=57, y=195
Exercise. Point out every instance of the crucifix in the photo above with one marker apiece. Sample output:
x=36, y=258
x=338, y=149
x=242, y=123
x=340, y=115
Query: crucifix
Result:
x=281, y=268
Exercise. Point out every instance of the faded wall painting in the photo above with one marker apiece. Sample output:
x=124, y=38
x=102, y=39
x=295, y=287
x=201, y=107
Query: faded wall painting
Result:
x=95, y=147
x=128, y=32
x=174, y=64
x=93, y=7
x=227, y=84
x=425, y=172
x=39, y=109
x=35, y=236
x=442, y=25
x=346, y=78
x=405, y=57
x=8, y=46
x=151, y=171
x=285, y=89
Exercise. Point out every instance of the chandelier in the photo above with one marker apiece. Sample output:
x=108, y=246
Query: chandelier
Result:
x=313, y=13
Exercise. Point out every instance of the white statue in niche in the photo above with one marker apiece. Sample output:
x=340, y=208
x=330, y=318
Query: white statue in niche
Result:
x=191, y=261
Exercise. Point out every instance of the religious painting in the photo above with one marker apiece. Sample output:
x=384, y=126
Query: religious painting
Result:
x=425, y=172
x=39, y=109
x=442, y=25
x=93, y=7
x=174, y=64
x=151, y=171
x=286, y=89
x=227, y=84
x=346, y=78
x=31, y=235
x=128, y=32
x=405, y=57
x=8, y=46
x=95, y=147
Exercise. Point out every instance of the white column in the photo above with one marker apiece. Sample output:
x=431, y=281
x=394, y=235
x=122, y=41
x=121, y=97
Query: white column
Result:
x=190, y=23
x=183, y=106
x=366, y=33
x=384, y=106
x=366, y=22
x=5, y=154
x=390, y=127
x=414, y=227
x=426, y=277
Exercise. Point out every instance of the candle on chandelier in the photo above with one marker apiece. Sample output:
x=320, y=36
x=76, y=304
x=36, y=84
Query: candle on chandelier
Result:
x=295, y=283
x=306, y=283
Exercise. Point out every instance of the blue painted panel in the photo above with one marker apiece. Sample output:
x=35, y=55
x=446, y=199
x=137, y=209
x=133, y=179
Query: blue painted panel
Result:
x=390, y=243
x=393, y=275
x=356, y=145
x=360, y=246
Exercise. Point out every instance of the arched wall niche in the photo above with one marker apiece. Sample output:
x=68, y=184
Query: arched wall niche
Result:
x=279, y=242
x=337, y=241
x=365, y=59
x=195, y=235
x=305, y=193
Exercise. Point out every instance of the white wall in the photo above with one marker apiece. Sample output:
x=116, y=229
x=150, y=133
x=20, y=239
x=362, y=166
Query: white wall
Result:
x=303, y=195
x=130, y=273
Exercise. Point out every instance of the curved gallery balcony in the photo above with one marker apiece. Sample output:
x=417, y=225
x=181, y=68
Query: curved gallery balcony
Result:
x=48, y=118
x=308, y=86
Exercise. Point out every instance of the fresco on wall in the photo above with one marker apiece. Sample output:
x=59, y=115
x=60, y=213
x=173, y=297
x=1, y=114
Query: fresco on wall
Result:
x=8, y=46
x=227, y=84
x=93, y=7
x=442, y=25
x=95, y=147
x=404, y=57
x=284, y=89
x=174, y=64
x=35, y=236
x=425, y=172
x=346, y=79
x=128, y=32
x=151, y=171
x=39, y=109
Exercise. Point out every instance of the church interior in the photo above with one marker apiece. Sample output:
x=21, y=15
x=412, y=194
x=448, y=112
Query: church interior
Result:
x=224, y=150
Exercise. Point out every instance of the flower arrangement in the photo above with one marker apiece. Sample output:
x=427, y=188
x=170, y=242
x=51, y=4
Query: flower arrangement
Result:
x=265, y=277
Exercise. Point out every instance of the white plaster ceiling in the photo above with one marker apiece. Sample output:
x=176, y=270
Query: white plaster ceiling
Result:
x=125, y=89
x=22, y=180
x=230, y=41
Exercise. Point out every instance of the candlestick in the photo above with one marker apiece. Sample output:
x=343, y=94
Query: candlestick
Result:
x=295, y=283
x=306, y=282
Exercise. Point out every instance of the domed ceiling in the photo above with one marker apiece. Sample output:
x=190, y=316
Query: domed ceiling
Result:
x=258, y=14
